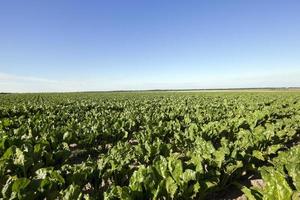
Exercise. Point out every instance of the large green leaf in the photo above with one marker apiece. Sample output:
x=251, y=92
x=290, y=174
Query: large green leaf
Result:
x=294, y=172
x=21, y=188
x=276, y=185
x=171, y=186
x=175, y=167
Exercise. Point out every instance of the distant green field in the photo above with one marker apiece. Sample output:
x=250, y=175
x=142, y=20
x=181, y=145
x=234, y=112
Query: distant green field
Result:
x=150, y=145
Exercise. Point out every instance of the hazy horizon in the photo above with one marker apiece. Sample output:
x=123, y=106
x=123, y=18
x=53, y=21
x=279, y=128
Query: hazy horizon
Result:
x=61, y=46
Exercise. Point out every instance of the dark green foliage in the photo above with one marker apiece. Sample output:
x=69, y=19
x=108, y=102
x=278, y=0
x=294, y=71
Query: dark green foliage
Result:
x=167, y=145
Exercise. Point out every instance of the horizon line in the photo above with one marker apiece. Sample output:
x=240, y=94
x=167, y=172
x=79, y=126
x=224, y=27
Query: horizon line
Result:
x=163, y=90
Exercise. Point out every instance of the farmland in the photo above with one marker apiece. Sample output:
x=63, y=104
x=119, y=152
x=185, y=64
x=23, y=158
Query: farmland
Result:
x=151, y=145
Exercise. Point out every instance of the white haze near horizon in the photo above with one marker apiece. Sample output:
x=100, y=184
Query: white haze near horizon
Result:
x=20, y=84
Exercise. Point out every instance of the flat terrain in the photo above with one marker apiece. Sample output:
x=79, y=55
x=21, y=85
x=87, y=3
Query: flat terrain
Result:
x=150, y=145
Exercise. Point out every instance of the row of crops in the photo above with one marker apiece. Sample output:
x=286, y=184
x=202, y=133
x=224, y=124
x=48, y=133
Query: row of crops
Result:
x=149, y=145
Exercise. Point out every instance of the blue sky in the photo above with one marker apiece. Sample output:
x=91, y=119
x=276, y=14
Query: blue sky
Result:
x=64, y=45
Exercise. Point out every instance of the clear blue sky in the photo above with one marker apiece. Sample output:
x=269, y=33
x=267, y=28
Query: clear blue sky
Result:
x=60, y=45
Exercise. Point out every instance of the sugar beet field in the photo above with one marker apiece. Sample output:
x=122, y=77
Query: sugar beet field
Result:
x=150, y=145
